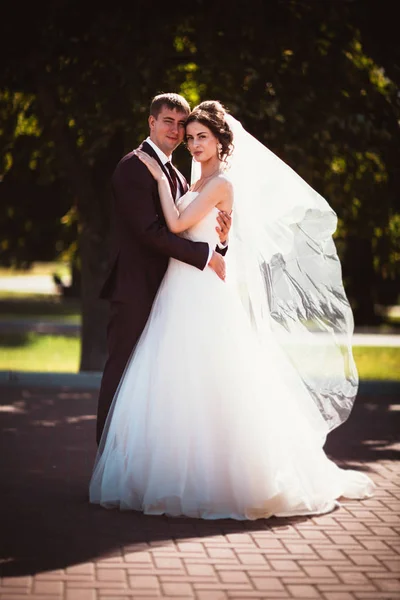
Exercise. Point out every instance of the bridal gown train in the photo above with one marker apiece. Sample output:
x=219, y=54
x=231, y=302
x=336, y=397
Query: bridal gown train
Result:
x=209, y=421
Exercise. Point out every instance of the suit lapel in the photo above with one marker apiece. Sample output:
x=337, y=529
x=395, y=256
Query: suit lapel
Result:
x=149, y=150
x=181, y=180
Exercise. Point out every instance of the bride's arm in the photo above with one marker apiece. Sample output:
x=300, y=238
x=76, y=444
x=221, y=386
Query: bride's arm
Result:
x=215, y=192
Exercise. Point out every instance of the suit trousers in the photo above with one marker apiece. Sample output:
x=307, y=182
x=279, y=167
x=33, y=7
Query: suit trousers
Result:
x=124, y=328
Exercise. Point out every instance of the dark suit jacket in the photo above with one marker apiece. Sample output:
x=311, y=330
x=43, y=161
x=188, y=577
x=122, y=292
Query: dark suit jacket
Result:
x=142, y=245
x=141, y=241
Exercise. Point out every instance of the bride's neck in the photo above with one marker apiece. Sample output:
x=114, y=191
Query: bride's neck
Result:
x=209, y=169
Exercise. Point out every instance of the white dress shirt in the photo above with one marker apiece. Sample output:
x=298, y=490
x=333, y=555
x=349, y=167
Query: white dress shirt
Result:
x=164, y=159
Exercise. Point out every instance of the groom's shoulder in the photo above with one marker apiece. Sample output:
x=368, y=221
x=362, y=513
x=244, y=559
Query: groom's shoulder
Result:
x=130, y=157
x=127, y=162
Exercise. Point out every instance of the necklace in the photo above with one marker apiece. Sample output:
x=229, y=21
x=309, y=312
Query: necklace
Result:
x=200, y=183
x=209, y=176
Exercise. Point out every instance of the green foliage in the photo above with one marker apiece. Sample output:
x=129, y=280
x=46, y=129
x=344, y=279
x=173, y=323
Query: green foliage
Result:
x=57, y=353
x=316, y=81
x=302, y=82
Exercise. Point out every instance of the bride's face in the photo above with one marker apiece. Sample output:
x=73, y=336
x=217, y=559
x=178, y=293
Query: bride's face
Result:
x=201, y=142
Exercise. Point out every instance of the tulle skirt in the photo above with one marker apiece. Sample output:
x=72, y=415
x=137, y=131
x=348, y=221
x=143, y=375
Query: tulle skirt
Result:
x=210, y=421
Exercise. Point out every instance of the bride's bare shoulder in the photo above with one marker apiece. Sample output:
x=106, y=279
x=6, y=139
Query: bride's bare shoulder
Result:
x=219, y=184
x=224, y=192
x=223, y=182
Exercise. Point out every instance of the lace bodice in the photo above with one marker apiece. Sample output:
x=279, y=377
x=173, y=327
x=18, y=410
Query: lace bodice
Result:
x=204, y=230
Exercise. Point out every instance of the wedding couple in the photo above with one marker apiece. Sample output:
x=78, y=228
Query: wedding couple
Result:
x=224, y=375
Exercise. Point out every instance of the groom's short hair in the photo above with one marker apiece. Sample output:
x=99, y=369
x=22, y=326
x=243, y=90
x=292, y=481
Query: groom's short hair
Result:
x=171, y=101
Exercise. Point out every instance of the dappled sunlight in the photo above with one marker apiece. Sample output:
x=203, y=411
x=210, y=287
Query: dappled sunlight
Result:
x=13, y=408
x=71, y=420
x=45, y=423
x=58, y=422
x=47, y=449
x=382, y=445
x=74, y=395
x=371, y=432
x=49, y=521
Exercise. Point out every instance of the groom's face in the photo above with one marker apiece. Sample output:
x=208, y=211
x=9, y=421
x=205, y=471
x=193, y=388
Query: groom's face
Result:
x=168, y=129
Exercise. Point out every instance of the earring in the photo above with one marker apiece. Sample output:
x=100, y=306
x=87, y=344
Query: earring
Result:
x=219, y=149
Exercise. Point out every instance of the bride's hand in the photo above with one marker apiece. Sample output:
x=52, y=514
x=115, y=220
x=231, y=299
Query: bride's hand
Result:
x=224, y=221
x=151, y=164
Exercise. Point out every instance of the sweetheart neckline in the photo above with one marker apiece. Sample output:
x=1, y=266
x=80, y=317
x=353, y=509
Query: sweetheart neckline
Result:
x=193, y=192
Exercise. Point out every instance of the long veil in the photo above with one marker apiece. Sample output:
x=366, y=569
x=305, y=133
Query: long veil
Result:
x=283, y=262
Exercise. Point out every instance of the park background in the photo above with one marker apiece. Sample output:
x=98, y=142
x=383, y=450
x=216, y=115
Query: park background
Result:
x=317, y=81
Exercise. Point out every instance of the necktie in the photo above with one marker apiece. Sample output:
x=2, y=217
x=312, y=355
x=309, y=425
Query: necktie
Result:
x=174, y=179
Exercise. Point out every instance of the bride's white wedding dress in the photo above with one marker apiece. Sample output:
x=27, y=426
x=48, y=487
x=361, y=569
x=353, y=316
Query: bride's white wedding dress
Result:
x=208, y=420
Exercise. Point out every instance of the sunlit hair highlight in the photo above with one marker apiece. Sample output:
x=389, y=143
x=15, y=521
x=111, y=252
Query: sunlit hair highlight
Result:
x=171, y=101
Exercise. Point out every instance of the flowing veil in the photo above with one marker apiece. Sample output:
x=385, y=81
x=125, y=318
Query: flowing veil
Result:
x=283, y=262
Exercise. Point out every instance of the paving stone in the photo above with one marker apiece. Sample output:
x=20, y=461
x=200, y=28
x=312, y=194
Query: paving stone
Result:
x=199, y=570
x=267, y=583
x=65, y=549
x=143, y=582
x=111, y=575
x=78, y=594
x=53, y=588
x=168, y=563
x=211, y=595
x=285, y=565
x=339, y=596
x=233, y=577
x=222, y=553
x=303, y=591
x=177, y=589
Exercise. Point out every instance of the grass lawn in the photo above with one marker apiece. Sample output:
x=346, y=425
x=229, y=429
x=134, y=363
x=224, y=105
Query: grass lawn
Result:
x=377, y=362
x=57, y=353
x=36, y=352
x=38, y=268
x=17, y=306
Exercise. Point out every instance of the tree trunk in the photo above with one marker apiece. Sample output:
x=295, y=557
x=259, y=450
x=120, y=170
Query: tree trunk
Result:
x=94, y=311
x=93, y=227
x=359, y=268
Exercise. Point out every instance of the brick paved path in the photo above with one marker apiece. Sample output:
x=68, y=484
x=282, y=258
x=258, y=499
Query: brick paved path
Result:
x=54, y=545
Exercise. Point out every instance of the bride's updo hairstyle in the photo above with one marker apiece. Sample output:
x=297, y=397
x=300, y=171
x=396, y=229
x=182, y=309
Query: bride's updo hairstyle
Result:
x=211, y=113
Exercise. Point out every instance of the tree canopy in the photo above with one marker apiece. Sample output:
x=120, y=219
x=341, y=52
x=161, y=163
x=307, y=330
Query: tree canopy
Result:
x=318, y=82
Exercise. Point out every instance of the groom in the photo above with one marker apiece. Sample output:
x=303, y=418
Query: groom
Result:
x=142, y=244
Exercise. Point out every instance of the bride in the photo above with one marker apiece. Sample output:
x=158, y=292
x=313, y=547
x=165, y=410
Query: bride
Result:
x=225, y=404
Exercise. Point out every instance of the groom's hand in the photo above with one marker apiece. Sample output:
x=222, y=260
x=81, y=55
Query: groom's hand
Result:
x=217, y=264
x=224, y=221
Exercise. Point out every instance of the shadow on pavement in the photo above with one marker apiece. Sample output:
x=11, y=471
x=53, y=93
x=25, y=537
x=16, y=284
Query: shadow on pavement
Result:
x=47, y=451
x=371, y=432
